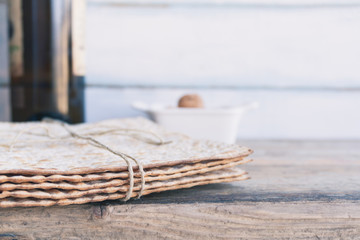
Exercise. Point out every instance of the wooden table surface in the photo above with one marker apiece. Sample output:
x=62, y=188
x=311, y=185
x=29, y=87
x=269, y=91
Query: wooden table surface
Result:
x=298, y=190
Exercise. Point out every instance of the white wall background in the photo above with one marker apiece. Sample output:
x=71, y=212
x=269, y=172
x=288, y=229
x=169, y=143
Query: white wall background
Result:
x=299, y=59
x=224, y=45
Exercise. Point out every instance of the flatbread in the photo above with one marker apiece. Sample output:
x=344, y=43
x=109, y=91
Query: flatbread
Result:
x=45, y=164
x=35, y=153
x=155, y=174
x=62, y=194
x=31, y=202
x=115, y=182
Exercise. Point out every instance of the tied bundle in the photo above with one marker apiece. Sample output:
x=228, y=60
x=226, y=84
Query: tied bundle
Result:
x=52, y=163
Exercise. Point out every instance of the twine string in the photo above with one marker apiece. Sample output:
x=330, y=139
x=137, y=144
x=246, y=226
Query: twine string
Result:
x=98, y=144
x=122, y=155
x=128, y=130
x=15, y=140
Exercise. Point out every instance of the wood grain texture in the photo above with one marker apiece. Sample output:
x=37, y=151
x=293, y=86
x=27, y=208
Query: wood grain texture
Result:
x=247, y=220
x=299, y=190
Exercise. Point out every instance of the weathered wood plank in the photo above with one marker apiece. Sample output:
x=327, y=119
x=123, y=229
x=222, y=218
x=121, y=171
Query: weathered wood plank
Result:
x=187, y=221
x=294, y=193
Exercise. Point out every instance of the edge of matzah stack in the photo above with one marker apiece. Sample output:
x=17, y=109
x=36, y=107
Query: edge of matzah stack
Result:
x=34, y=154
x=42, y=164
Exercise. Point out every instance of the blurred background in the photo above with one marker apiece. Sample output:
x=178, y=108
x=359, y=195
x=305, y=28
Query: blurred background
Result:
x=300, y=60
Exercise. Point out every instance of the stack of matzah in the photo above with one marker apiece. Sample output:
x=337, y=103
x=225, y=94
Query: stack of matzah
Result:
x=43, y=164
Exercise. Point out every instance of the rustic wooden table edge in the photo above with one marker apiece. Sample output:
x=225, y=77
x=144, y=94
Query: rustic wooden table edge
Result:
x=299, y=190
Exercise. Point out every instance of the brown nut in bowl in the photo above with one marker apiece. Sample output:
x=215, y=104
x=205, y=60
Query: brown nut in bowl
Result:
x=191, y=101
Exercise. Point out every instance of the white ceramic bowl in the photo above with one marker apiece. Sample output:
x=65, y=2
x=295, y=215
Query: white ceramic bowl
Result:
x=219, y=124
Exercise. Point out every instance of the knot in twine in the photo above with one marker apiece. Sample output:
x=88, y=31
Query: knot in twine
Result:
x=98, y=144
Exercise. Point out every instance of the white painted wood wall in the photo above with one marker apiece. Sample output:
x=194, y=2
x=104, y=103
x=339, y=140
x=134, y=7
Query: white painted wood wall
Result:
x=299, y=59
